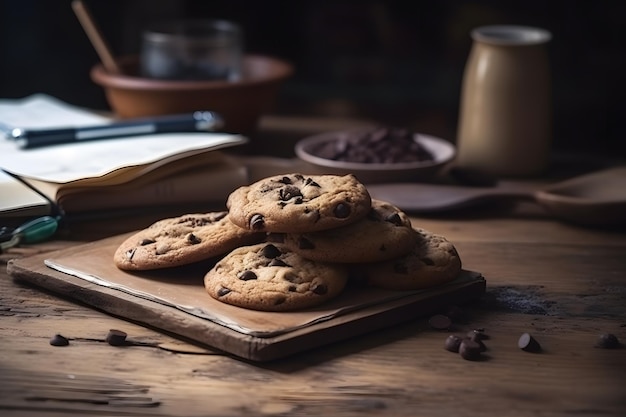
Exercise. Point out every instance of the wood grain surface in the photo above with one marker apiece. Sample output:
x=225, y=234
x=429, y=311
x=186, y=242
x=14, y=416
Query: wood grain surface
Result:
x=562, y=283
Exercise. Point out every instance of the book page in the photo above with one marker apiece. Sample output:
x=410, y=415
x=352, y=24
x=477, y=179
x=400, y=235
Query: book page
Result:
x=99, y=158
x=77, y=161
x=19, y=200
x=41, y=111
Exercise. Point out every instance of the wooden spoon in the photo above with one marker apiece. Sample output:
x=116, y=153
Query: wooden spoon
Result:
x=95, y=36
x=598, y=198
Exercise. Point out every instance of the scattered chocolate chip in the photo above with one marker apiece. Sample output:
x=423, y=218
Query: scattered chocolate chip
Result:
x=477, y=334
x=146, y=241
x=528, y=343
x=476, y=337
x=453, y=342
x=285, y=180
x=270, y=251
x=469, y=350
x=116, y=337
x=608, y=341
x=247, y=275
x=342, y=211
x=130, y=253
x=440, y=322
x=58, y=340
x=257, y=222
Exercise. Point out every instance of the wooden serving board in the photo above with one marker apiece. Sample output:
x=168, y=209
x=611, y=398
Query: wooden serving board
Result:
x=174, y=300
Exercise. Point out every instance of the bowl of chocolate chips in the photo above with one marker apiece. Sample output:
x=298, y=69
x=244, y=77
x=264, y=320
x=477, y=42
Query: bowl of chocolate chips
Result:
x=376, y=154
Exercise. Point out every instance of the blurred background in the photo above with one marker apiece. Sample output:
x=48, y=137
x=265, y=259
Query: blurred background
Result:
x=396, y=62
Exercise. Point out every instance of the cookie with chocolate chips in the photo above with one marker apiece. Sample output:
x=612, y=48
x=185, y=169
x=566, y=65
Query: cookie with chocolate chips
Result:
x=298, y=203
x=182, y=240
x=384, y=233
x=432, y=261
x=269, y=277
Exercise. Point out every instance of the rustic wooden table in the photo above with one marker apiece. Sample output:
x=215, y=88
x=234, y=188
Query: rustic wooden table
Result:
x=563, y=284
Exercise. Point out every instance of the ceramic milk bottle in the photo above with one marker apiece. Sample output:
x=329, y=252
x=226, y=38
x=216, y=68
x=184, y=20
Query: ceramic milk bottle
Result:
x=505, y=112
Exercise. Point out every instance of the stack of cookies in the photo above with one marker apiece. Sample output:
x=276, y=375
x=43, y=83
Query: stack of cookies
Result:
x=291, y=242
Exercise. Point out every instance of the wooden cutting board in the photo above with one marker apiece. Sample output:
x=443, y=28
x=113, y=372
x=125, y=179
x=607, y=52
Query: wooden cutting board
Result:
x=174, y=300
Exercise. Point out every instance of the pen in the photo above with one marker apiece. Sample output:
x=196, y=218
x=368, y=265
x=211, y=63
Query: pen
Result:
x=199, y=121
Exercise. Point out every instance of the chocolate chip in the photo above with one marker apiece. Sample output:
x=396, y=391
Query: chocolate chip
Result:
x=146, y=241
x=292, y=277
x=309, y=181
x=528, y=343
x=304, y=243
x=277, y=262
x=453, y=342
x=289, y=192
x=608, y=341
x=130, y=253
x=320, y=289
x=223, y=291
x=58, y=340
x=478, y=338
x=469, y=349
x=257, y=222
x=427, y=261
x=279, y=300
x=193, y=239
x=247, y=275
x=477, y=334
x=285, y=180
x=395, y=219
x=440, y=322
x=379, y=145
x=270, y=251
x=342, y=211
x=116, y=337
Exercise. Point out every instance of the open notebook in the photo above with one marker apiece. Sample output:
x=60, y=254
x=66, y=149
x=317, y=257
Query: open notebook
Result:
x=166, y=169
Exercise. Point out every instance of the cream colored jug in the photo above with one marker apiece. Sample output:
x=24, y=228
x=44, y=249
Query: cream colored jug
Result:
x=505, y=117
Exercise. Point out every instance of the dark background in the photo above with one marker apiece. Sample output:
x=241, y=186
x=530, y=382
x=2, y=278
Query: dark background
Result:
x=397, y=62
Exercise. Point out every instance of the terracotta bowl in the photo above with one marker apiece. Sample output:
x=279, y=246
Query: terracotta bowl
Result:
x=308, y=150
x=240, y=103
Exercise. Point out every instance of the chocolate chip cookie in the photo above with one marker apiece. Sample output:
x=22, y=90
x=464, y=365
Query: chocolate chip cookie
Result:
x=298, y=203
x=384, y=233
x=432, y=261
x=269, y=277
x=182, y=240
